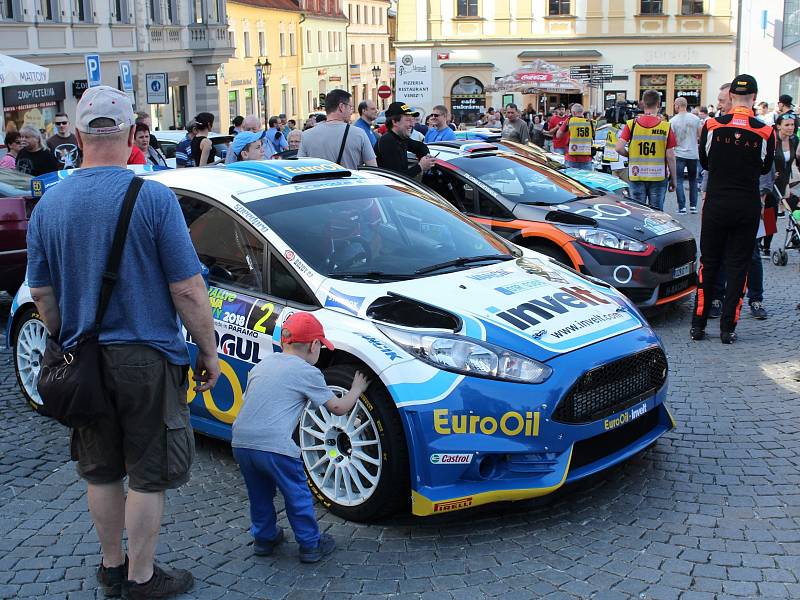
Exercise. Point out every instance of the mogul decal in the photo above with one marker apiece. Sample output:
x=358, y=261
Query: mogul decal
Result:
x=337, y=299
x=384, y=348
x=626, y=417
x=536, y=310
x=511, y=423
x=452, y=505
x=234, y=346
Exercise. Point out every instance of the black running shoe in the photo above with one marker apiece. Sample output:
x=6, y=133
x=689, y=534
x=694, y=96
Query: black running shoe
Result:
x=163, y=584
x=697, y=334
x=727, y=337
x=111, y=578
x=325, y=546
x=265, y=548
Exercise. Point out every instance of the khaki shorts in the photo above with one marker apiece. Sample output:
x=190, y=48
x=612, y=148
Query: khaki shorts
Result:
x=149, y=437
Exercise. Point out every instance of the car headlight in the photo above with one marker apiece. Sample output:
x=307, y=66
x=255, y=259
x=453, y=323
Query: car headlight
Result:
x=605, y=239
x=468, y=357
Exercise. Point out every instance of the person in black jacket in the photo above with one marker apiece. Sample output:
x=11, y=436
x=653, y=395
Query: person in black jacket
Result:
x=785, y=158
x=392, y=148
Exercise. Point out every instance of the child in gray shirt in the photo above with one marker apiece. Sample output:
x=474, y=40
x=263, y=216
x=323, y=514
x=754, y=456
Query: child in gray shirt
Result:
x=278, y=389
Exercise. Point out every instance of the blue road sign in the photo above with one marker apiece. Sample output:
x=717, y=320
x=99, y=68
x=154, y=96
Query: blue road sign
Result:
x=126, y=75
x=157, y=88
x=93, y=69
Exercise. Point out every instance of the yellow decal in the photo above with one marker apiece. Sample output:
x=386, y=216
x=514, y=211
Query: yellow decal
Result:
x=312, y=169
x=511, y=423
x=226, y=416
x=269, y=307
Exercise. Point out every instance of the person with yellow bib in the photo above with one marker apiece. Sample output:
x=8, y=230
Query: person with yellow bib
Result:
x=611, y=157
x=649, y=143
x=579, y=134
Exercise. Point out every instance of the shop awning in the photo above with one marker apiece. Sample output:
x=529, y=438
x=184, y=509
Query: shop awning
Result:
x=465, y=65
x=529, y=54
x=686, y=67
x=539, y=76
x=18, y=72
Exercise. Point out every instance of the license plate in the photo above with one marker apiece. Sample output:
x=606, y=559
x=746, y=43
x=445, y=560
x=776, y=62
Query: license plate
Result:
x=682, y=271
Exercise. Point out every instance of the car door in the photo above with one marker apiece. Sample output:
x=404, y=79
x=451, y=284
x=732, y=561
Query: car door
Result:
x=457, y=191
x=249, y=286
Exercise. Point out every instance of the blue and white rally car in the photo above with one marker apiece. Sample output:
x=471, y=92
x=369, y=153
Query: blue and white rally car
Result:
x=496, y=373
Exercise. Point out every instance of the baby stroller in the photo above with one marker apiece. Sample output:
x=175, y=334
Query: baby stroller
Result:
x=792, y=241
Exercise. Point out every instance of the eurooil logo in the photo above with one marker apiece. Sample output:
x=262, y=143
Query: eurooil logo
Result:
x=511, y=423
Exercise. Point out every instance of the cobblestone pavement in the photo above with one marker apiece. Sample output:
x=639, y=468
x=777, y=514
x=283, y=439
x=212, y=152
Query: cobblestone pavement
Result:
x=710, y=512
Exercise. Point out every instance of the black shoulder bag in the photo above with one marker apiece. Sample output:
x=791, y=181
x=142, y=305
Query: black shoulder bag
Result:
x=71, y=381
x=341, y=148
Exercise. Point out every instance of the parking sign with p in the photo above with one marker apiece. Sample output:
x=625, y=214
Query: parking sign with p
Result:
x=93, y=70
x=126, y=75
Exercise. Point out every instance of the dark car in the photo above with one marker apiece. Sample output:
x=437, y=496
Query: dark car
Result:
x=645, y=253
x=16, y=204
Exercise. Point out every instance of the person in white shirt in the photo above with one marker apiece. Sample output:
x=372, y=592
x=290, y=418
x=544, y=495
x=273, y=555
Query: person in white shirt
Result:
x=687, y=133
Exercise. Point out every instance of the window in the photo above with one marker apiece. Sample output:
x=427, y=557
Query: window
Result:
x=197, y=6
x=83, y=11
x=233, y=104
x=374, y=15
x=383, y=53
x=380, y=13
x=292, y=50
x=790, y=83
x=155, y=13
x=352, y=54
x=262, y=44
x=652, y=7
x=285, y=285
x=119, y=11
x=310, y=100
x=282, y=41
x=560, y=7
x=172, y=12
x=213, y=10
x=284, y=102
x=249, y=107
x=319, y=41
x=363, y=53
x=47, y=10
x=451, y=188
x=341, y=44
x=247, y=44
x=692, y=7
x=467, y=8
x=791, y=23
x=358, y=13
x=373, y=52
x=308, y=41
x=233, y=254
x=8, y=10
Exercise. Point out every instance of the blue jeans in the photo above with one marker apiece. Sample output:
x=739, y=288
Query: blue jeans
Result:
x=585, y=166
x=561, y=151
x=691, y=164
x=263, y=472
x=650, y=193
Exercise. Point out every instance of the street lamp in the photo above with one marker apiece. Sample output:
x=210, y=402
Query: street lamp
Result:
x=265, y=68
x=376, y=74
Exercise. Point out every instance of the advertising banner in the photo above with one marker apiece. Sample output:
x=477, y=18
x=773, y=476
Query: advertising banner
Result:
x=414, y=79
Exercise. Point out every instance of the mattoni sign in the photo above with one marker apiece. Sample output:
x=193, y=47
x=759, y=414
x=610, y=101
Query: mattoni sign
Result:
x=414, y=78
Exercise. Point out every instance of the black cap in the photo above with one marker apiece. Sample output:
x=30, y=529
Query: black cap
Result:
x=398, y=108
x=785, y=99
x=742, y=85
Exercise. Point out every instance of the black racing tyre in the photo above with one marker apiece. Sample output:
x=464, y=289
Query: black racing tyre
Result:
x=356, y=464
x=28, y=343
x=552, y=252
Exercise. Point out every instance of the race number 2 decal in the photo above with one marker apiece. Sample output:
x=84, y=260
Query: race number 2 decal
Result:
x=263, y=317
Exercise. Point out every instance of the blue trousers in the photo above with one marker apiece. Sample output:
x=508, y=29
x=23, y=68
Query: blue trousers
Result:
x=691, y=164
x=585, y=166
x=650, y=193
x=263, y=472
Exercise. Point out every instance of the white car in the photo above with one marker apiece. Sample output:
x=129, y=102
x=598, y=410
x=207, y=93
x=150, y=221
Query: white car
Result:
x=496, y=373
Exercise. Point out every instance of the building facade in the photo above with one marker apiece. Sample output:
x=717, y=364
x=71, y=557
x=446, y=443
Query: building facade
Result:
x=185, y=40
x=769, y=46
x=262, y=30
x=323, y=43
x=460, y=47
x=368, y=42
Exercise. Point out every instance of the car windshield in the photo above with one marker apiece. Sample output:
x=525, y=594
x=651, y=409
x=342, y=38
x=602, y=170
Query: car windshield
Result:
x=522, y=180
x=377, y=232
x=14, y=183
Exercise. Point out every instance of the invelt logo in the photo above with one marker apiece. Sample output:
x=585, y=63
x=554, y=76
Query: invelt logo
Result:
x=451, y=459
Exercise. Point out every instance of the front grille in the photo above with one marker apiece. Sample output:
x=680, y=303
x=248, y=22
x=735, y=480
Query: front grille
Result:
x=675, y=255
x=677, y=285
x=588, y=451
x=613, y=387
x=637, y=295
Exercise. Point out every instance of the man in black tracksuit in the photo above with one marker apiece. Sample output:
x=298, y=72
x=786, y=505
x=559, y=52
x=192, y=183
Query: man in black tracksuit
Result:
x=735, y=150
x=391, y=150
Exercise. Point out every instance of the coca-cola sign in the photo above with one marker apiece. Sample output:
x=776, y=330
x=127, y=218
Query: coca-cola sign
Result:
x=535, y=76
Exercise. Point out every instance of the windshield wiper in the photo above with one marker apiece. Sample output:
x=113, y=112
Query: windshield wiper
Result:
x=586, y=197
x=463, y=260
x=371, y=275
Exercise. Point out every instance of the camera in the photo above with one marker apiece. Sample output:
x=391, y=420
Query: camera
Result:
x=623, y=111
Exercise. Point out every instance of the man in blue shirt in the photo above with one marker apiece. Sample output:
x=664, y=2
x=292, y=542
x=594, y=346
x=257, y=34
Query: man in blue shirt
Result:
x=277, y=143
x=439, y=131
x=183, y=151
x=145, y=433
x=367, y=113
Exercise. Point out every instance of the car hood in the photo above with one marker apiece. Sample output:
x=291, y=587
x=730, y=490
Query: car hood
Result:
x=529, y=305
x=615, y=214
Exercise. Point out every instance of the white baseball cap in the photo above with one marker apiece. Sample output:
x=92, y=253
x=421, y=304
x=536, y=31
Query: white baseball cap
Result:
x=104, y=102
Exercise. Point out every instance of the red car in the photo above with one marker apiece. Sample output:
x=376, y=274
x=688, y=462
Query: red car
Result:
x=16, y=204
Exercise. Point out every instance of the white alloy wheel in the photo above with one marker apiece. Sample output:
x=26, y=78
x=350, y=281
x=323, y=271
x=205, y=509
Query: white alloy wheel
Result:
x=342, y=454
x=28, y=352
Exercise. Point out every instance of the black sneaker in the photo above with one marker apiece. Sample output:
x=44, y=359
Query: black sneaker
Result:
x=715, y=310
x=266, y=548
x=325, y=546
x=697, y=334
x=727, y=337
x=758, y=311
x=163, y=584
x=111, y=578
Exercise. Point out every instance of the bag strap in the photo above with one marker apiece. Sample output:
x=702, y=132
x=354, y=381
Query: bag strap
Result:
x=110, y=274
x=341, y=148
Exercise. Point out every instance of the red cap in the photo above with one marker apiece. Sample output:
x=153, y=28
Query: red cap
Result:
x=303, y=328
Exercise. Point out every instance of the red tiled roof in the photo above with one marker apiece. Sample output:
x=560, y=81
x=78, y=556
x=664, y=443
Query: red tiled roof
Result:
x=275, y=4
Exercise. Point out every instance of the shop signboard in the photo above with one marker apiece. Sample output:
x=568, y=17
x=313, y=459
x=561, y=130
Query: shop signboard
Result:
x=414, y=78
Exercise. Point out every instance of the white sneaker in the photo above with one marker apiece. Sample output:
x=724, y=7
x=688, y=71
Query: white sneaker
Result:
x=681, y=211
x=693, y=210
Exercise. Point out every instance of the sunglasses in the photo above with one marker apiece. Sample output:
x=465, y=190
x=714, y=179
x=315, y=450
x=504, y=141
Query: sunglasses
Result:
x=62, y=123
x=435, y=115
